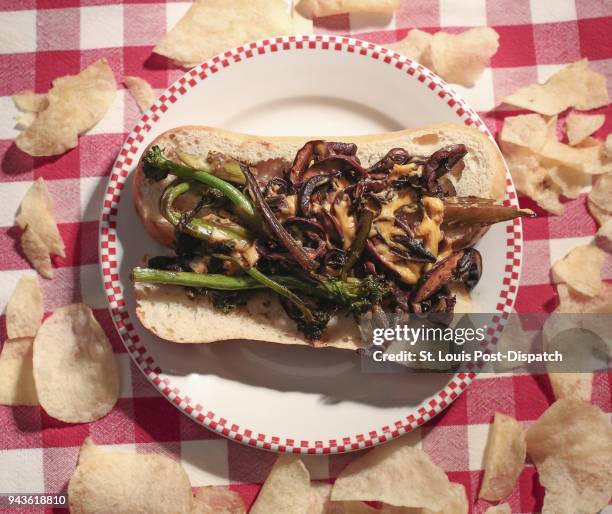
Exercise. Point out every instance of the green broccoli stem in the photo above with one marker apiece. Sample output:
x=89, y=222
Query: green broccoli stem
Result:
x=244, y=208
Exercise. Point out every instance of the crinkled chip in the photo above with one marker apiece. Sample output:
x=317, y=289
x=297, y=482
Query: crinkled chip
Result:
x=217, y=500
x=572, y=302
x=75, y=370
x=36, y=252
x=603, y=237
x=76, y=104
x=29, y=101
x=127, y=483
x=24, y=310
x=375, y=477
x=461, y=58
x=287, y=488
x=526, y=130
x=320, y=8
x=580, y=269
x=580, y=126
x=142, y=92
x=504, y=458
x=571, y=446
x=37, y=211
x=572, y=86
x=204, y=30
x=502, y=508
x=16, y=379
x=416, y=45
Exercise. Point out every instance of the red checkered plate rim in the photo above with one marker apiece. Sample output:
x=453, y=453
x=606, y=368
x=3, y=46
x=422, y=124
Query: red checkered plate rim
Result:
x=122, y=319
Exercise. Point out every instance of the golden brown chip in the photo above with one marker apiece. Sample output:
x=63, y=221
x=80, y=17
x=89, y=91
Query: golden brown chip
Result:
x=287, y=488
x=580, y=269
x=127, y=483
x=571, y=446
x=504, y=458
x=29, y=101
x=526, y=130
x=320, y=8
x=142, y=92
x=502, y=508
x=76, y=104
x=75, y=370
x=461, y=58
x=572, y=302
x=566, y=88
x=375, y=475
x=596, y=92
x=203, y=31
x=36, y=252
x=24, y=310
x=416, y=45
x=580, y=126
x=16, y=378
x=37, y=211
x=217, y=500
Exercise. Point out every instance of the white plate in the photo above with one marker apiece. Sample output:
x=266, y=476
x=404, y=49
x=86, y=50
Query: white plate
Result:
x=280, y=397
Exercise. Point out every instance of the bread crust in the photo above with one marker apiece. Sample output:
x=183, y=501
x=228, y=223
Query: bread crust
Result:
x=156, y=305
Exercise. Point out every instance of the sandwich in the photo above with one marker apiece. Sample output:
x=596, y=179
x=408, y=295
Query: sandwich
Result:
x=292, y=240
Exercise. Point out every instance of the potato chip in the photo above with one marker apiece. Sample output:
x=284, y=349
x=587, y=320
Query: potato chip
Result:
x=126, y=483
x=566, y=88
x=320, y=502
x=600, y=215
x=601, y=194
x=572, y=386
x=572, y=302
x=568, y=182
x=375, y=475
x=607, y=147
x=320, y=8
x=580, y=126
x=36, y=252
x=526, y=130
x=217, y=500
x=571, y=446
x=141, y=91
x=203, y=31
x=287, y=488
x=580, y=269
x=502, y=508
x=16, y=379
x=504, y=458
x=76, y=104
x=24, y=120
x=29, y=101
x=416, y=45
x=75, y=370
x=596, y=92
x=586, y=157
x=461, y=58
x=603, y=237
x=24, y=310
x=37, y=211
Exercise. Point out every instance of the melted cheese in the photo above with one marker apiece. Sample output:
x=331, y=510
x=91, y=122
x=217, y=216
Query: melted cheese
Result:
x=346, y=221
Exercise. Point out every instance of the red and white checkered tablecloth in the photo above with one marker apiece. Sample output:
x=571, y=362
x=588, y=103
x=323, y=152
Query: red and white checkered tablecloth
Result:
x=43, y=39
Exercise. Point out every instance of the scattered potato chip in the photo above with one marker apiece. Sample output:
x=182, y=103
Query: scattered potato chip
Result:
x=600, y=215
x=24, y=310
x=36, y=252
x=580, y=269
x=526, y=130
x=76, y=104
x=142, y=92
x=601, y=194
x=603, y=237
x=320, y=8
x=287, y=488
x=567, y=181
x=569, y=87
x=16, y=379
x=37, y=210
x=75, y=370
x=572, y=386
x=29, y=101
x=217, y=500
x=416, y=45
x=586, y=157
x=502, y=508
x=607, y=147
x=24, y=120
x=126, y=483
x=571, y=446
x=572, y=302
x=596, y=92
x=580, y=126
x=375, y=477
x=504, y=458
x=203, y=31
x=461, y=58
